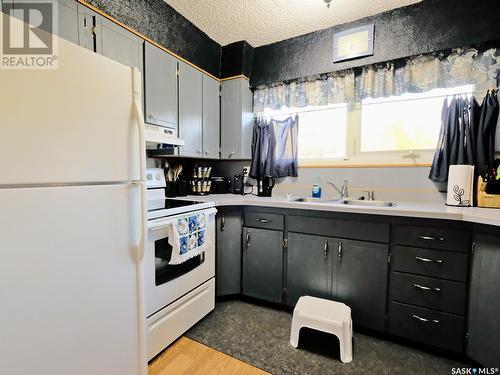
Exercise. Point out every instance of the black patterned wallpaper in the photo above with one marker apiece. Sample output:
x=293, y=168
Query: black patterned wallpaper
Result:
x=429, y=26
x=160, y=22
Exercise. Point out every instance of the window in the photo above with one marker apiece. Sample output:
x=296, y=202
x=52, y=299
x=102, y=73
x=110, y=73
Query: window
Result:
x=322, y=134
x=409, y=122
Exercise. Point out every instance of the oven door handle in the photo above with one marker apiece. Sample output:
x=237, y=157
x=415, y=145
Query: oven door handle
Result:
x=166, y=222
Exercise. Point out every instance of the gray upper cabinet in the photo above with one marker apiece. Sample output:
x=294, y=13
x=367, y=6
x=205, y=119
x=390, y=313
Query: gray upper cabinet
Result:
x=160, y=82
x=211, y=117
x=89, y=29
x=68, y=20
x=190, y=110
x=362, y=281
x=229, y=229
x=309, y=267
x=121, y=45
x=263, y=264
x=236, y=119
x=484, y=303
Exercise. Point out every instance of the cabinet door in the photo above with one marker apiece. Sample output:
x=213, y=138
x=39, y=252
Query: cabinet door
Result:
x=230, y=124
x=247, y=121
x=362, y=281
x=309, y=267
x=121, y=45
x=89, y=29
x=211, y=117
x=484, y=302
x=263, y=264
x=160, y=83
x=190, y=110
x=68, y=20
x=229, y=228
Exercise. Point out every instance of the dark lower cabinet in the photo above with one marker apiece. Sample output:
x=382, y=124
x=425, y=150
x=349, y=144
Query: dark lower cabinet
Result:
x=353, y=272
x=362, y=281
x=309, y=267
x=229, y=229
x=484, y=302
x=263, y=264
x=430, y=327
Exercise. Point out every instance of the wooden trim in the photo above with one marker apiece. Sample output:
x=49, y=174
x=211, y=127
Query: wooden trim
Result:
x=142, y=36
x=234, y=77
x=365, y=165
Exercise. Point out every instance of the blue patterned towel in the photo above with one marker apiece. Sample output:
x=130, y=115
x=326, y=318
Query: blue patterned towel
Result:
x=187, y=237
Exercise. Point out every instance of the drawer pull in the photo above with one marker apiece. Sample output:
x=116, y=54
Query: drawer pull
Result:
x=427, y=260
x=248, y=239
x=222, y=223
x=424, y=320
x=430, y=238
x=264, y=221
x=421, y=287
x=325, y=250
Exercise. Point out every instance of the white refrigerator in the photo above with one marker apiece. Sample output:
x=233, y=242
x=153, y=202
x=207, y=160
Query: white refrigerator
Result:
x=72, y=218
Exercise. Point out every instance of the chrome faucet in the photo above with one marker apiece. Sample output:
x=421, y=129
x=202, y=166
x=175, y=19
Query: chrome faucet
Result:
x=343, y=191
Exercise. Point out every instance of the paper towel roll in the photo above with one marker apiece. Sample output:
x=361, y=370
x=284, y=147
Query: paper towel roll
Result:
x=460, y=185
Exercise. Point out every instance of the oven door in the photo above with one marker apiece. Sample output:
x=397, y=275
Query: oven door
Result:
x=165, y=283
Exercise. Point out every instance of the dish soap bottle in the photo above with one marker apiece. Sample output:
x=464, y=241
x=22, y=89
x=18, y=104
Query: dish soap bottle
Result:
x=316, y=188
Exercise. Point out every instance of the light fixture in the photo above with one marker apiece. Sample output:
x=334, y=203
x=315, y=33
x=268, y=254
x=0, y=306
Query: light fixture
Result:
x=327, y=2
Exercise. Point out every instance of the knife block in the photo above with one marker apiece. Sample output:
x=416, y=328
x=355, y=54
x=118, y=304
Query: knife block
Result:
x=484, y=199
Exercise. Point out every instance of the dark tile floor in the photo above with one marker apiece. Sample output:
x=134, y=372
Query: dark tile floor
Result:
x=260, y=336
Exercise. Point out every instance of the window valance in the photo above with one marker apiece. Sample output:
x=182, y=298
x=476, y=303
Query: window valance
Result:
x=313, y=91
x=416, y=74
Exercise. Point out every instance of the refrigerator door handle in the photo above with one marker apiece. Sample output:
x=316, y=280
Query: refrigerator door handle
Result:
x=136, y=87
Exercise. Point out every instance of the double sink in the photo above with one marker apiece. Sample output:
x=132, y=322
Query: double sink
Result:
x=351, y=202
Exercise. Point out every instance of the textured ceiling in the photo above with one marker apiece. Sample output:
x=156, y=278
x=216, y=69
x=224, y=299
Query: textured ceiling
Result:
x=261, y=22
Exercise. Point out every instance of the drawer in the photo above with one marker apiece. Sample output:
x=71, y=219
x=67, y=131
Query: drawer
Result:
x=168, y=324
x=442, y=295
x=432, y=238
x=425, y=262
x=356, y=230
x=426, y=326
x=264, y=220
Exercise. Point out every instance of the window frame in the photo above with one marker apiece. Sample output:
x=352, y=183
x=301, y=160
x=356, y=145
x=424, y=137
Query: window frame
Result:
x=356, y=158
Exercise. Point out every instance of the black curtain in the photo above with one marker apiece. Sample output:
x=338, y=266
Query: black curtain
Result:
x=485, y=143
x=275, y=148
x=467, y=135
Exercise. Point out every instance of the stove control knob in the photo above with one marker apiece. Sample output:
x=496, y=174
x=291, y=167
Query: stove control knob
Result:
x=158, y=177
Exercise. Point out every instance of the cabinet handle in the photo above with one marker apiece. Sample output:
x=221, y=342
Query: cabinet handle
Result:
x=222, y=223
x=230, y=154
x=424, y=320
x=198, y=151
x=264, y=221
x=427, y=260
x=248, y=239
x=426, y=288
x=430, y=238
x=340, y=251
x=325, y=249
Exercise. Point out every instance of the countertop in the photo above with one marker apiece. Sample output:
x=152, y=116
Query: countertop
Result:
x=487, y=216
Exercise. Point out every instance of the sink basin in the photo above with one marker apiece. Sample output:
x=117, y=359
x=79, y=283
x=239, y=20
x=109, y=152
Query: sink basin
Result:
x=359, y=202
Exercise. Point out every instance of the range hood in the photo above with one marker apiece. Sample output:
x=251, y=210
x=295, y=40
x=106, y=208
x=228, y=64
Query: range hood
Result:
x=162, y=134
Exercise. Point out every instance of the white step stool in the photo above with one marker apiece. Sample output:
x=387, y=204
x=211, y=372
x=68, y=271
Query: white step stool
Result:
x=327, y=316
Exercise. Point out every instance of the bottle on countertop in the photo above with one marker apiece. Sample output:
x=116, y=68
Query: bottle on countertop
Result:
x=316, y=188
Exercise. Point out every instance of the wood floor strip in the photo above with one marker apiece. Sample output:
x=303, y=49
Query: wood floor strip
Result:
x=188, y=357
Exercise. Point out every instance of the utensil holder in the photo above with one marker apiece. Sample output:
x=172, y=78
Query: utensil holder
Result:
x=170, y=189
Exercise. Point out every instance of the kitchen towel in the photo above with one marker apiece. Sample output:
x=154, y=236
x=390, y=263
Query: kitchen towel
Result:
x=186, y=235
x=460, y=185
